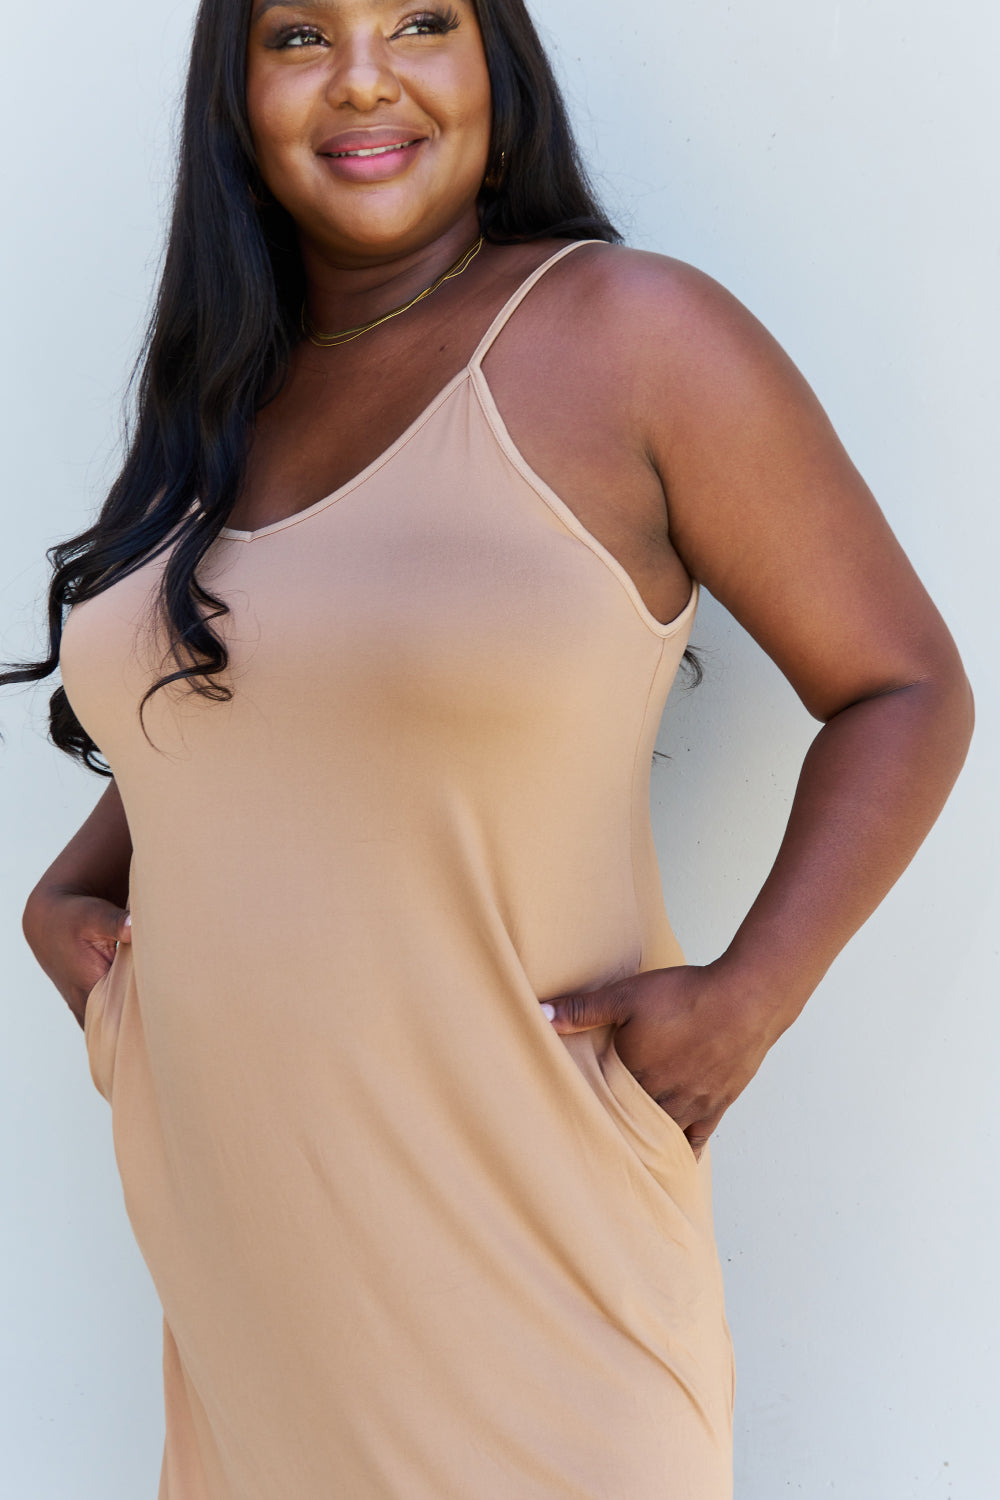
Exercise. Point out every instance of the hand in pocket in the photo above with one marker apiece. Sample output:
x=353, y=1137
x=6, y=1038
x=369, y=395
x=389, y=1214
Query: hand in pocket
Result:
x=685, y=1035
x=73, y=937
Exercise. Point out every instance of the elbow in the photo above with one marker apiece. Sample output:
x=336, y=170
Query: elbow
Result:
x=954, y=690
x=968, y=714
x=947, y=710
x=958, y=721
x=930, y=701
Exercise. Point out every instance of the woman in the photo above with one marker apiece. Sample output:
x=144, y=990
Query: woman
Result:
x=411, y=1088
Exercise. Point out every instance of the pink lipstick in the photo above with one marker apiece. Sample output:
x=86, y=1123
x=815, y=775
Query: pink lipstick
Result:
x=370, y=155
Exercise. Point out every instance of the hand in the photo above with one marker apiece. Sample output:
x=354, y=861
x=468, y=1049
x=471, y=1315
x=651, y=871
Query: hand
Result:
x=73, y=937
x=687, y=1034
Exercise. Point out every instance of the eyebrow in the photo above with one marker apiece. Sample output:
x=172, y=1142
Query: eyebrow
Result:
x=266, y=5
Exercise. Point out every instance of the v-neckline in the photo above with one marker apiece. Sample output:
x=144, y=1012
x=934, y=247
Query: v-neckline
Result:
x=236, y=535
x=232, y=533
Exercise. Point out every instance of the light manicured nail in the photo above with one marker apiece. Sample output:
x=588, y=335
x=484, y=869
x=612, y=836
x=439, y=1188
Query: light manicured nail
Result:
x=128, y=920
x=549, y=1010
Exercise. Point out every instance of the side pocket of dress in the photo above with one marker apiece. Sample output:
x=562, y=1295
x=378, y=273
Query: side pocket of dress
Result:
x=651, y=1121
x=654, y=1136
x=102, y=1019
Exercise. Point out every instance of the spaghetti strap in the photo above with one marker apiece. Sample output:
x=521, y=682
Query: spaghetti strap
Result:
x=518, y=297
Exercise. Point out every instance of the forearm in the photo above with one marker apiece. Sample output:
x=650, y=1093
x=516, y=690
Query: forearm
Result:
x=871, y=787
x=96, y=860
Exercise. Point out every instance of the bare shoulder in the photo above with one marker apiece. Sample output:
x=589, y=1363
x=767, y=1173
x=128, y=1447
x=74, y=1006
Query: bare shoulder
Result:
x=642, y=285
x=697, y=360
x=672, y=319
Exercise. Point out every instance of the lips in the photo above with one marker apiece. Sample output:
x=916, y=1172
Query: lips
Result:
x=378, y=138
x=371, y=156
x=363, y=151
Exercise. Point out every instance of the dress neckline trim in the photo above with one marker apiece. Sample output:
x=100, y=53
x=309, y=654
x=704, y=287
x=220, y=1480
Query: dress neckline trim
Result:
x=360, y=478
x=232, y=533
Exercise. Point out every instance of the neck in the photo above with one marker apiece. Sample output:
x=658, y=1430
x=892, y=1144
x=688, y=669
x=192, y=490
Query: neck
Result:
x=340, y=294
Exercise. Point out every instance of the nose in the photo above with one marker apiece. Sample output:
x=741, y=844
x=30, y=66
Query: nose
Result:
x=363, y=76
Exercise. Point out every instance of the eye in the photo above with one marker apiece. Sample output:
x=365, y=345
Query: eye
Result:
x=429, y=23
x=296, y=36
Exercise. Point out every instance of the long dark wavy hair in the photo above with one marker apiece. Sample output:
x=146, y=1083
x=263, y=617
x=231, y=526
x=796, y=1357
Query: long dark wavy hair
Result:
x=225, y=320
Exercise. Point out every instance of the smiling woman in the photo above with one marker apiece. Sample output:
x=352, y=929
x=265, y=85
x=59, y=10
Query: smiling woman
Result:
x=412, y=115
x=411, y=1086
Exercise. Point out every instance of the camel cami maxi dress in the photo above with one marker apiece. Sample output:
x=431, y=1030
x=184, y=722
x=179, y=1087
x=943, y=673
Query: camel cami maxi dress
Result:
x=411, y=1244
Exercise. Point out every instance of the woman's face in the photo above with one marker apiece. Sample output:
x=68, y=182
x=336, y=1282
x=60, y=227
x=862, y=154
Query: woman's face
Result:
x=330, y=82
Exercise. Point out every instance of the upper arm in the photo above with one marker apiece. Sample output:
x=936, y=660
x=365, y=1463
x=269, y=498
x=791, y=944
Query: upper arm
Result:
x=764, y=505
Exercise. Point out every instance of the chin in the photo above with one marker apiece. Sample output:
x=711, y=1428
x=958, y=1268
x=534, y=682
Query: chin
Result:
x=393, y=230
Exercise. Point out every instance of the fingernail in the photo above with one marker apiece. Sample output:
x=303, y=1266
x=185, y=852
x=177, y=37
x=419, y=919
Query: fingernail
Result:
x=549, y=1010
x=128, y=920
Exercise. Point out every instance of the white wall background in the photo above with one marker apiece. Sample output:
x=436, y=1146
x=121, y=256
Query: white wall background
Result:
x=834, y=165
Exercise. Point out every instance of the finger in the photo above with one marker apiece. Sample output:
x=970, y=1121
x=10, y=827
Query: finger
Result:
x=116, y=923
x=580, y=1012
x=688, y=1113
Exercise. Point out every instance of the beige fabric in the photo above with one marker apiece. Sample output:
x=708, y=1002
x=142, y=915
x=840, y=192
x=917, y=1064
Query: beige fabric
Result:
x=410, y=1243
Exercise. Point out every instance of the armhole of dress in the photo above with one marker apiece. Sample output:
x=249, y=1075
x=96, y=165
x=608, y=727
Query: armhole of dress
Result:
x=519, y=463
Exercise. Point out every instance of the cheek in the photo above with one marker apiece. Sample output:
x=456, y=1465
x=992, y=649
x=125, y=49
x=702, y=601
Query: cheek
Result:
x=274, y=116
x=464, y=101
x=479, y=93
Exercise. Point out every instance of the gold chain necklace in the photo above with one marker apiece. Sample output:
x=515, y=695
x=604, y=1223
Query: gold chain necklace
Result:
x=332, y=340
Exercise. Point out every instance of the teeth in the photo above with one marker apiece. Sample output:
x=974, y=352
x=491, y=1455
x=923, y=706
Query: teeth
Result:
x=373, y=150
